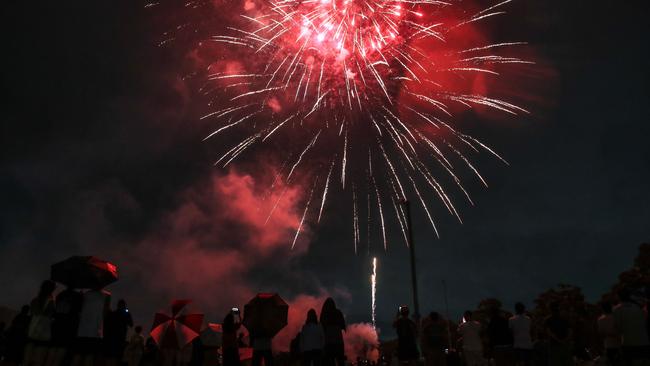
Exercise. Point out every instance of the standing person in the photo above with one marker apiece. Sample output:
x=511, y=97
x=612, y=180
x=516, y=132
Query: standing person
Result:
x=630, y=322
x=262, y=350
x=229, y=345
x=312, y=340
x=522, y=342
x=407, y=348
x=470, y=333
x=118, y=323
x=95, y=306
x=39, y=333
x=64, y=326
x=17, y=337
x=333, y=323
x=609, y=335
x=3, y=340
x=135, y=348
x=500, y=338
x=581, y=335
x=150, y=357
x=434, y=340
x=559, y=336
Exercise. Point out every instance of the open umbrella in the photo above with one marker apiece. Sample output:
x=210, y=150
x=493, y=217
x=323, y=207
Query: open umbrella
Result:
x=84, y=272
x=265, y=315
x=212, y=334
x=178, y=329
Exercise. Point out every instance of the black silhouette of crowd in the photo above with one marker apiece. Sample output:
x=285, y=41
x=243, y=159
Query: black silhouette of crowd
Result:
x=77, y=327
x=80, y=328
x=619, y=335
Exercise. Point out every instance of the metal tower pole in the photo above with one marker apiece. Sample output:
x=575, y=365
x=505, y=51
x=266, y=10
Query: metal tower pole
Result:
x=414, y=281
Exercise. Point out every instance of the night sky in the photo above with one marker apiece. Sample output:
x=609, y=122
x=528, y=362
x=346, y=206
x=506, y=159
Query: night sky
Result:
x=102, y=154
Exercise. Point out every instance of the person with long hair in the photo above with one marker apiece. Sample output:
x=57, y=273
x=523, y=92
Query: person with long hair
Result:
x=312, y=340
x=229, y=344
x=333, y=323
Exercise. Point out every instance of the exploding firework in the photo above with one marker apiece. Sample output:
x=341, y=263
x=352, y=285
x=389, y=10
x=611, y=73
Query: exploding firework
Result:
x=360, y=94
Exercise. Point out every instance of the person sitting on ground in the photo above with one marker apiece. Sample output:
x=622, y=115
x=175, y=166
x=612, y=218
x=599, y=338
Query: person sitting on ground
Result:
x=312, y=340
x=407, y=349
x=39, y=333
x=630, y=322
x=470, y=333
x=522, y=342
x=333, y=323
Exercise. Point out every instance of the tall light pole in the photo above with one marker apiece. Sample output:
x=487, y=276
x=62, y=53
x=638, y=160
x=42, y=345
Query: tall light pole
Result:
x=414, y=281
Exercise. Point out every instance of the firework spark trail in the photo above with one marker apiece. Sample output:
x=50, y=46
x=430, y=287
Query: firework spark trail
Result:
x=337, y=77
x=304, y=214
x=373, y=282
x=327, y=184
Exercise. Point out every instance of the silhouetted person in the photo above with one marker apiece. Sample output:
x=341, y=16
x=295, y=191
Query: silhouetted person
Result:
x=230, y=348
x=433, y=340
x=559, y=336
x=262, y=350
x=135, y=348
x=581, y=334
x=118, y=323
x=333, y=324
x=3, y=340
x=609, y=334
x=64, y=326
x=407, y=349
x=470, y=333
x=630, y=322
x=312, y=340
x=522, y=342
x=95, y=307
x=39, y=334
x=150, y=356
x=198, y=355
x=17, y=337
x=500, y=338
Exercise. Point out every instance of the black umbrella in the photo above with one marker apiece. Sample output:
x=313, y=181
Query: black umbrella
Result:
x=84, y=272
x=265, y=315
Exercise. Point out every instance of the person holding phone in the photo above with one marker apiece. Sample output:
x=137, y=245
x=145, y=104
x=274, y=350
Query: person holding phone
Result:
x=407, y=349
x=230, y=347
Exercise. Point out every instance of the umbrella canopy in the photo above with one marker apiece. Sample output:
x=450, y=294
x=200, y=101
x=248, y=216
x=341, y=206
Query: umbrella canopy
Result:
x=211, y=336
x=179, y=328
x=84, y=272
x=265, y=315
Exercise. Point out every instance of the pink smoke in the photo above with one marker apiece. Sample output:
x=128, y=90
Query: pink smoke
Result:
x=361, y=341
x=206, y=247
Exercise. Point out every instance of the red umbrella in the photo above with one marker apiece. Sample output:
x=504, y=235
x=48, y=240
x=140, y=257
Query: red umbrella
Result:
x=179, y=328
x=84, y=272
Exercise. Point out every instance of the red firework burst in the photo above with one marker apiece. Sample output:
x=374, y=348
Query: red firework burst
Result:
x=356, y=82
